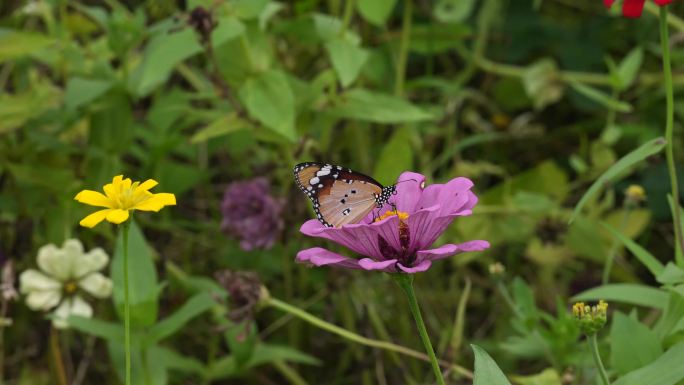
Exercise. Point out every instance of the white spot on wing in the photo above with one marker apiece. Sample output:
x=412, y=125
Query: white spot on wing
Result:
x=314, y=180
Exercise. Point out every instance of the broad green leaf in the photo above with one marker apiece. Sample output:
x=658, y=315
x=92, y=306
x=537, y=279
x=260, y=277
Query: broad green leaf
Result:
x=632, y=344
x=242, y=339
x=434, y=38
x=171, y=324
x=486, y=371
x=17, y=109
x=15, y=44
x=147, y=368
x=619, y=168
x=329, y=27
x=375, y=11
x=666, y=370
x=601, y=97
x=265, y=353
x=647, y=259
x=269, y=99
x=142, y=276
x=81, y=91
x=176, y=361
x=672, y=315
x=671, y=275
x=361, y=104
x=547, y=178
x=95, y=327
x=629, y=67
x=163, y=53
x=222, y=126
x=228, y=28
x=546, y=377
x=630, y=293
x=396, y=156
x=453, y=11
x=542, y=84
x=347, y=59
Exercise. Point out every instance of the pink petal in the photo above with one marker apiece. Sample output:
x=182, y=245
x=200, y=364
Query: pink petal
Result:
x=388, y=229
x=362, y=238
x=663, y=2
x=451, y=196
x=608, y=3
x=449, y=250
x=319, y=256
x=632, y=8
x=420, y=267
x=409, y=190
x=370, y=264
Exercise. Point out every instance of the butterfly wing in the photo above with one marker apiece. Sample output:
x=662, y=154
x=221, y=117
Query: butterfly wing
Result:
x=339, y=195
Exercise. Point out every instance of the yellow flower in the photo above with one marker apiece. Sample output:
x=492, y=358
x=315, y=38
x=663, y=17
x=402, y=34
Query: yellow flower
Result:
x=121, y=196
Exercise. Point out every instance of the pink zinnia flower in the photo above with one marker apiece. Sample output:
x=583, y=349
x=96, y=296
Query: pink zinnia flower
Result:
x=400, y=241
x=633, y=8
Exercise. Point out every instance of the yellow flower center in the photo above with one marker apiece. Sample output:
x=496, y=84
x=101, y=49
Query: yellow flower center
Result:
x=127, y=197
x=70, y=287
x=403, y=217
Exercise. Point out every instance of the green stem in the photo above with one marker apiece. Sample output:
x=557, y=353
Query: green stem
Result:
x=669, y=126
x=127, y=307
x=405, y=281
x=346, y=18
x=503, y=290
x=593, y=346
x=57, y=357
x=346, y=334
x=403, y=47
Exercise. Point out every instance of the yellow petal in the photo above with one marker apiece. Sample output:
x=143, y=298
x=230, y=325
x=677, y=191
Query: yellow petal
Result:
x=147, y=185
x=156, y=202
x=117, y=179
x=93, y=198
x=111, y=191
x=94, y=218
x=117, y=216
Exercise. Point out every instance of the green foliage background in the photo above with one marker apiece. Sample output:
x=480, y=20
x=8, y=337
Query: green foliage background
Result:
x=533, y=100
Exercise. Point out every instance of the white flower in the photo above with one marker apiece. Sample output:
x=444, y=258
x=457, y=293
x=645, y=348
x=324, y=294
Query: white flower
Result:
x=63, y=272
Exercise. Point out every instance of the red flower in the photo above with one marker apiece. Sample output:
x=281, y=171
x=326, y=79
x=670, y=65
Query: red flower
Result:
x=633, y=8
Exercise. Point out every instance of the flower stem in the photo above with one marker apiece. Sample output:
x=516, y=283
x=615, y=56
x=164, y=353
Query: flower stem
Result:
x=593, y=346
x=669, y=125
x=346, y=334
x=405, y=281
x=57, y=357
x=608, y=266
x=127, y=306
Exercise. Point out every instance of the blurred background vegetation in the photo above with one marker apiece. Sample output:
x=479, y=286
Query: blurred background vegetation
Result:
x=531, y=99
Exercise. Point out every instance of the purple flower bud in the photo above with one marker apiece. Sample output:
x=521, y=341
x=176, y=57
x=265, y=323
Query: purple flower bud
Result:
x=251, y=214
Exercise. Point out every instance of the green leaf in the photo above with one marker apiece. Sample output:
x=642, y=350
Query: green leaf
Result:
x=375, y=11
x=347, y=59
x=453, y=11
x=162, y=55
x=601, y=97
x=81, y=91
x=621, y=166
x=15, y=44
x=487, y=372
x=242, y=339
x=142, y=275
x=647, y=259
x=546, y=377
x=98, y=328
x=361, y=104
x=224, y=125
x=435, y=38
x=632, y=344
x=666, y=370
x=269, y=99
x=228, y=28
x=396, y=156
x=672, y=315
x=671, y=275
x=629, y=67
x=176, y=361
x=264, y=353
x=17, y=109
x=195, y=306
x=626, y=293
x=542, y=84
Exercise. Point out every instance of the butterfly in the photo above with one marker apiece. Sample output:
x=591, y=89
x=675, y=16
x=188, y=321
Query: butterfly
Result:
x=340, y=195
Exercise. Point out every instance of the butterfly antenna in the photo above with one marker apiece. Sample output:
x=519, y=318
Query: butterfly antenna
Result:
x=407, y=180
